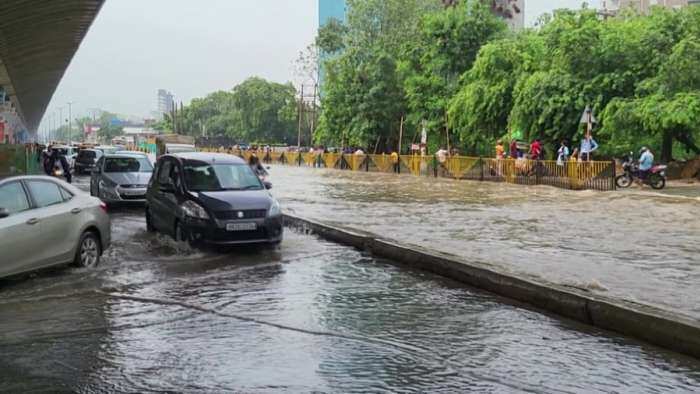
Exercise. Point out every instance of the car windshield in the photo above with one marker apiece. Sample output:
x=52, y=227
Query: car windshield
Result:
x=128, y=164
x=87, y=154
x=204, y=177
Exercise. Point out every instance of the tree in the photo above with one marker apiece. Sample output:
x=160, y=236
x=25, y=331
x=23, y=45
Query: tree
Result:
x=363, y=93
x=448, y=42
x=255, y=110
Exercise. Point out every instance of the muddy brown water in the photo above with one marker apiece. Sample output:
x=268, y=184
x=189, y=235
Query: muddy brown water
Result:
x=310, y=316
x=640, y=246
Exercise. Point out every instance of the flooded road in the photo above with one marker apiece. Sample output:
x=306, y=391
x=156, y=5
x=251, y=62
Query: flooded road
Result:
x=641, y=246
x=309, y=316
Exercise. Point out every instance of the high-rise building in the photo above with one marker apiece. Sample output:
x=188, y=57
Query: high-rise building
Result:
x=512, y=11
x=642, y=6
x=166, y=102
x=328, y=10
x=331, y=9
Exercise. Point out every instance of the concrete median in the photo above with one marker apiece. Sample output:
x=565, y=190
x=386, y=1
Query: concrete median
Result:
x=668, y=330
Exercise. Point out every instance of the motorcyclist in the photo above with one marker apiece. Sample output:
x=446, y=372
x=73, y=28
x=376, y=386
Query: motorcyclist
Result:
x=646, y=162
x=57, y=159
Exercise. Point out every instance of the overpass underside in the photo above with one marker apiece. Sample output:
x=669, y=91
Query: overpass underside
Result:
x=38, y=39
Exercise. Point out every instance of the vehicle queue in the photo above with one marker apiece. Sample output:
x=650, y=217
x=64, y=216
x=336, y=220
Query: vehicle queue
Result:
x=199, y=198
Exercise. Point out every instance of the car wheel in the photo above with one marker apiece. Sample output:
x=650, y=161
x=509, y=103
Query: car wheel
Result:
x=180, y=235
x=88, y=254
x=149, y=222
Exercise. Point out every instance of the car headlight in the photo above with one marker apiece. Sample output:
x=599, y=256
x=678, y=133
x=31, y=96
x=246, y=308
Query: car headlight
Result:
x=194, y=210
x=274, y=209
x=105, y=183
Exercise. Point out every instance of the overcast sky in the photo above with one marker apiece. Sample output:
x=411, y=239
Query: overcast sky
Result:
x=191, y=48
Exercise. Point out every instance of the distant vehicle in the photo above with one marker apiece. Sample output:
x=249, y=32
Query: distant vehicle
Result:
x=174, y=143
x=211, y=198
x=108, y=149
x=86, y=160
x=46, y=222
x=70, y=152
x=121, y=177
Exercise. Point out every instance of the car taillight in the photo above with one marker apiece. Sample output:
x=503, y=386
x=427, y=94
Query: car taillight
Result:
x=103, y=206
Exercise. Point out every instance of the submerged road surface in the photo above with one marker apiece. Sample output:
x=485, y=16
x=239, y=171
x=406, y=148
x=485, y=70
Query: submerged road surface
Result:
x=156, y=316
x=632, y=245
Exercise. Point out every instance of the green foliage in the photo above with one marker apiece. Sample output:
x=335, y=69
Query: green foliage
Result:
x=255, y=110
x=330, y=37
x=448, y=42
x=635, y=71
x=363, y=94
x=418, y=60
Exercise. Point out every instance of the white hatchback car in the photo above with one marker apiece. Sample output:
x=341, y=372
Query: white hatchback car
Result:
x=45, y=221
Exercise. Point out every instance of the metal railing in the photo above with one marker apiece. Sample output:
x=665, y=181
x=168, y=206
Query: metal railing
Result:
x=19, y=160
x=573, y=175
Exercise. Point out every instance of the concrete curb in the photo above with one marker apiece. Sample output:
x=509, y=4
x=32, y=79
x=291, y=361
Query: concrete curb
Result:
x=670, y=331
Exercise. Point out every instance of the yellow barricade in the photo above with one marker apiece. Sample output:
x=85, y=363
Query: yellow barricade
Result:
x=331, y=159
x=383, y=162
x=310, y=159
x=457, y=166
x=292, y=157
x=581, y=172
x=416, y=164
x=274, y=156
x=354, y=161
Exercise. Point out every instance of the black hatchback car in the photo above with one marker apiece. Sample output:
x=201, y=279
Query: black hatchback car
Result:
x=211, y=198
x=86, y=160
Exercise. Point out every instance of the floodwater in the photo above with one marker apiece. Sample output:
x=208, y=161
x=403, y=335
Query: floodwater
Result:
x=640, y=246
x=309, y=316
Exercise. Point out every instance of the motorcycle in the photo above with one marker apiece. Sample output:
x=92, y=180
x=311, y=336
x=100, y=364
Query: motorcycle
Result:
x=656, y=177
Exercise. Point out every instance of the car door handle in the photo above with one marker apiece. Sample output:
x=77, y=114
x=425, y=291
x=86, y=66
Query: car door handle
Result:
x=76, y=211
x=32, y=221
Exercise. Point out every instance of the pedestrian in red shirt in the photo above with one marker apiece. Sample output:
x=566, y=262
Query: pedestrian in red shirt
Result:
x=535, y=149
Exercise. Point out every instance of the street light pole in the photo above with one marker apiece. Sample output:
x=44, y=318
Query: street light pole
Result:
x=60, y=119
x=70, y=122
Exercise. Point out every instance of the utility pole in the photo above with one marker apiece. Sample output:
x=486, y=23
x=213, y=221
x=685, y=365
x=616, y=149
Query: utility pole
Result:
x=313, y=114
x=301, y=114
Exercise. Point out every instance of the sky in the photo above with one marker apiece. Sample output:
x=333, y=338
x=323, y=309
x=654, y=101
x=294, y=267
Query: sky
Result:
x=192, y=48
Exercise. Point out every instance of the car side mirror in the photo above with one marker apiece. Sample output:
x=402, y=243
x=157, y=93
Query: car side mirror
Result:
x=4, y=213
x=268, y=185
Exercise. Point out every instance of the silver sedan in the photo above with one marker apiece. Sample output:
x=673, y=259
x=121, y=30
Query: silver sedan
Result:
x=45, y=221
x=121, y=177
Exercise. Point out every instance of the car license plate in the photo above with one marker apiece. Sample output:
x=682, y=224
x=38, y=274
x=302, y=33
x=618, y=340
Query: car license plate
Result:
x=251, y=226
x=133, y=192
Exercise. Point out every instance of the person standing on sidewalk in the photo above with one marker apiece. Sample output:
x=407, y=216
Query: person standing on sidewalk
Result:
x=514, y=149
x=588, y=146
x=500, y=150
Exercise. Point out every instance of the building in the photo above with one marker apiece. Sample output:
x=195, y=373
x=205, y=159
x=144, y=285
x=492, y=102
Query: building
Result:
x=642, y=6
x=166, y=102
x=329, y=10
x=512, y=11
